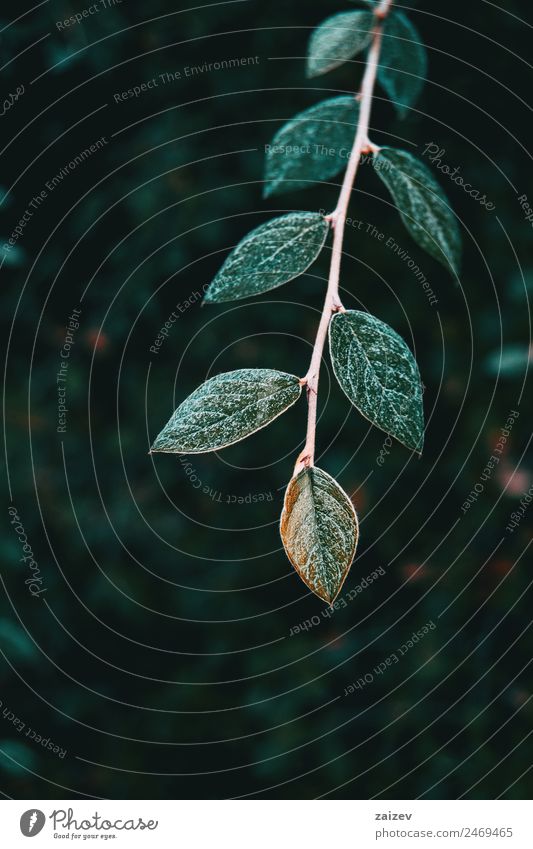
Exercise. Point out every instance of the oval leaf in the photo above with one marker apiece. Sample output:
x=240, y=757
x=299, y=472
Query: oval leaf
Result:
x=337, y=39
x=226, y=409
x=315, y=145
x=269, y=256
x=422, y=204
x=379, y=374
x=319, y=529
x=403, y=63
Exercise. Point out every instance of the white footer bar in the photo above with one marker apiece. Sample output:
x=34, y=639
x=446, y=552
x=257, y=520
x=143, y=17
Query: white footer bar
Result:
x=268, y=824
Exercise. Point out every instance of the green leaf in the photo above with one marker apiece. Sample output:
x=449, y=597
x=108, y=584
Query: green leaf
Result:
x=319, y=529
x=403, y=63
x=226, y=409
x=422, y=204
x=337, y=39
x=315, y=145
x=379, y=374
x=269, y=256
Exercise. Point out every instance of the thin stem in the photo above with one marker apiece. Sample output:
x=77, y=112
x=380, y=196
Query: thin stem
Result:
x=337, y=219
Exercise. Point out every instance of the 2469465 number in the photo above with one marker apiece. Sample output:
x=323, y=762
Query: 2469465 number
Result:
x=488, y=832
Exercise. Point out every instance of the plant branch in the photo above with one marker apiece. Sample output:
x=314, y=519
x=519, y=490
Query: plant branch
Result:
x=337, y=219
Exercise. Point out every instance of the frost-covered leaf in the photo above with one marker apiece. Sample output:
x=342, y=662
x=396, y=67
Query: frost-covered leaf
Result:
x=422, y=204
x=403, y=63
x=270, y=255
x=337, y=39
x=379, y=374
x=319, y=529
x=226, y=409
x=314, y=145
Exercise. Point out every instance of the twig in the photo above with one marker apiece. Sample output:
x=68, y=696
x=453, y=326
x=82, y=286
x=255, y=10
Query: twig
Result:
x=337, y=220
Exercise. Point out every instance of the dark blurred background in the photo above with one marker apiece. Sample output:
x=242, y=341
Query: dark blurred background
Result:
x=163, y=655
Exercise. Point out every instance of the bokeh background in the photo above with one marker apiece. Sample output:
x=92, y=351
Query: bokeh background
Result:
x=165, y=656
